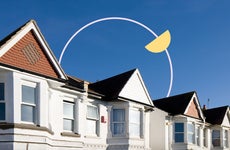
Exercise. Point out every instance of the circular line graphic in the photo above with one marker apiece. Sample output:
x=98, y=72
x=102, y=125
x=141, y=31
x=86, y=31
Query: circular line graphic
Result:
x=124, y=19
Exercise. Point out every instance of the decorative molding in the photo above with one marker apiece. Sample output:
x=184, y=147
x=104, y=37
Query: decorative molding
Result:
x=5, y=126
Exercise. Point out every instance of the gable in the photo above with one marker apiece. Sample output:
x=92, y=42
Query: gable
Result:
x=193, y=109
x=26, y=50
x=226, y=120
x=135, y=90
x=27, y=54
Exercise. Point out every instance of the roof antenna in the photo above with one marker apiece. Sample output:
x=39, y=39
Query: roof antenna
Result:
x=208, y=103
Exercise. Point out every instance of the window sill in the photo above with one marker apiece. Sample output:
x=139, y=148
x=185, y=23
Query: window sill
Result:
x=70, y=134
x=5, y=126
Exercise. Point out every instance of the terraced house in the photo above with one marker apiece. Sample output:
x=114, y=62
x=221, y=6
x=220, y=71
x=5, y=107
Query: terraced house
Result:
x=41, y=107
x=185, y=125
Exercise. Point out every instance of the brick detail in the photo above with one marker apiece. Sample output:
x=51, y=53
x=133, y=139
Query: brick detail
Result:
x=29, y=55
x=193, y=110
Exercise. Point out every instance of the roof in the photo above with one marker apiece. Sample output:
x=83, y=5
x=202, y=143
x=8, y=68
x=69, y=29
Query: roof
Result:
x=28, y=45
x=174, y=105
x=112, y=86
x=215, y=115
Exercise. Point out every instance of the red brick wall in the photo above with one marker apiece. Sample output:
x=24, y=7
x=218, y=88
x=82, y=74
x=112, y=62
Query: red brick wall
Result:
x=192, y=110
x=17, y=58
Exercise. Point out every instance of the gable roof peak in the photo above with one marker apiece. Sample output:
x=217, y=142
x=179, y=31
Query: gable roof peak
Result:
x=170, y=104
x=117, y=82
x=29, y=35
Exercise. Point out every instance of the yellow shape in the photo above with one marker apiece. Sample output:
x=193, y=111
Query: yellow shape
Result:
x=160, y=43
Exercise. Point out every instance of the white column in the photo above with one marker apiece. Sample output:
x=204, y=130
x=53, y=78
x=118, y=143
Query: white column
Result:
x=109, y=109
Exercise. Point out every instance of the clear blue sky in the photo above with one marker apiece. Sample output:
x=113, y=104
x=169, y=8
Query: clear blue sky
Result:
x=199, y=49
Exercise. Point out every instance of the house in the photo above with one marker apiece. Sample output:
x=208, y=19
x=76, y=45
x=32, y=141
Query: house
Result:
x=178, y=123
x=41, y=107
x=218, y=124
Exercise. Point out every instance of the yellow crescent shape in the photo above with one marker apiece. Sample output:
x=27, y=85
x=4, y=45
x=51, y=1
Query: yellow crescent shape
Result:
x=160, y=43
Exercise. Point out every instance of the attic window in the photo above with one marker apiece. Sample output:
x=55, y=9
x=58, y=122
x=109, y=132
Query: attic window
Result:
x=31, y=53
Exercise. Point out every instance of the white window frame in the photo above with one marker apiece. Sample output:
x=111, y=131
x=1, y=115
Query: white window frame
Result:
x=69, y=118
x=3, y=101
x=94, y=119
x=118, y=122
x=225, y=138
x=177, y=132
x=205, y=144
x=34, y=105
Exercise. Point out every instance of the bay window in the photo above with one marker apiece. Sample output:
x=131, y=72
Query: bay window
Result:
x=118, y=122
x=92, y=120
x=179, y=132
x=28, y=105
x=68, y=116
x=2, y=102
x=216, y=138
x=134, y=123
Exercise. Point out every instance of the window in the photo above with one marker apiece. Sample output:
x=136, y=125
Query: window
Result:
x=179, y=132
x=134, y=122
x=216, y=138
x=225, y=139
x=198, y=136
x=205, y=137
x=118, y=122
x=191, y=133
x=2, y=102
x=68, y=116
x=28, y=106
x=92, y=120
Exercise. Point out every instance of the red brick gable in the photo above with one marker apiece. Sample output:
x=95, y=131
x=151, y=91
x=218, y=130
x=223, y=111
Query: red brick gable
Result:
x=193, y=110
x=28, y=54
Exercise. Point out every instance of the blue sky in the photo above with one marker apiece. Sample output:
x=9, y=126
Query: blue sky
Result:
x=199, y=48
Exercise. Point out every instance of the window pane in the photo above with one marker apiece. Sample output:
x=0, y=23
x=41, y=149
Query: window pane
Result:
x=68, y=124
x=2, y=92
x=190, y=128
x=118, y=128
x=91, y=127
x=28, y=94
x=190, y=138
x=118, y=115
x=179, y=137
x=92, y=112
x=216, y=138
x=2, y=111
x=179, y=127
x=134, y=129
x=27, y=113
x=134, y=116
x=68, y=110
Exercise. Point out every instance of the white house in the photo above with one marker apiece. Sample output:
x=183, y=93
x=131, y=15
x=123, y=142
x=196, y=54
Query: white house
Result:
x=43, y=108
x=179, y=123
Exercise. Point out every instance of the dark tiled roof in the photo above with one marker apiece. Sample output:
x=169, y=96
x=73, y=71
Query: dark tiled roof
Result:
x=215, y=115
x=174, y=105
x=75, y=83
x=111, y=87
